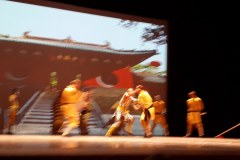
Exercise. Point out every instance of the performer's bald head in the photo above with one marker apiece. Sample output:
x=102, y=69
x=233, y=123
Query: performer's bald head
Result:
x=157, y=97
x=76, y=83
x=192, y=94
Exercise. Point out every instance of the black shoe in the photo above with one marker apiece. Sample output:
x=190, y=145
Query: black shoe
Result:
x=84, y=133
x=9, y=132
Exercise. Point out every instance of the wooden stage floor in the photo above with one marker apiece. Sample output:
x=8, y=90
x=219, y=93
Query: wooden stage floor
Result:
x=117, y=147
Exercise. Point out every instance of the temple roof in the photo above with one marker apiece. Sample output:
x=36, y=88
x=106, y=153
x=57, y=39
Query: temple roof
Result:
x=71, y=44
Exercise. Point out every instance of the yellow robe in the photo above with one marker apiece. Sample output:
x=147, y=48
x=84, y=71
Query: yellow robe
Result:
x=145, y=101
x=194, y=109
x=160, y=118
x=69, y=99
x=14, y=106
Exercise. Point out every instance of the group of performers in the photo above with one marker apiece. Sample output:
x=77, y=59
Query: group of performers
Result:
x=154, y=111
x=73, y=101
x=75, y=108
x=151, y=111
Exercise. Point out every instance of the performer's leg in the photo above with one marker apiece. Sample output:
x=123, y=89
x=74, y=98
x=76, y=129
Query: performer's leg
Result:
x=115, y=126
x=63, y=125
x=200, y=129
x=149, y=127
x=12, y=117
x=67, y=130
x=58, y=121
x=166, y=131
x=84, y=122
x=189, y=129
x=153, y=126
x=129, y=121
x=73, y=121
x=146, y=128
x=83, y=128
x=109, y=122
x=113, y=129
x=147, y=118
x=164, y=125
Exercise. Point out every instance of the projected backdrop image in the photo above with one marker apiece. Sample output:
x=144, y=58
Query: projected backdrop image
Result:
x=39, y=45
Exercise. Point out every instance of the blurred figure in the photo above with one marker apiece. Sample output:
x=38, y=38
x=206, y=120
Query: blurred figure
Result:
x=57, y=114
x=194, y=108
x=79, y=76
x=121, y=116
x=53, y=81
x=160, y=114
x=13, y=108
x=144, y=102
x=73, y=101
x=85, y=114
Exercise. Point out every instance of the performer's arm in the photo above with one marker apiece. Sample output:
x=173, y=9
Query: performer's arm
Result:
x=133, y=99
x=136, y=106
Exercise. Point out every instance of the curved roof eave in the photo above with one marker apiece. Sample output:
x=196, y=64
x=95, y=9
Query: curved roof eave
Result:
x=72, y=45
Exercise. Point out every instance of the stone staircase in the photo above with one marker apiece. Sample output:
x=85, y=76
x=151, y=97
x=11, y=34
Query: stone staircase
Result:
x=39, y=118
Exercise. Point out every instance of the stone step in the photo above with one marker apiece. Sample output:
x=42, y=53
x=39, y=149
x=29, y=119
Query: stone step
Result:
x=38, y=117
x=41, y=110
x=36, y=121
x=42, y=107
x=34, y=125
x=29, y=129
x=46, y=100
x=35, y=132
x=49, y=104
x=44, y=104
x=39, y=114
x=92, y=123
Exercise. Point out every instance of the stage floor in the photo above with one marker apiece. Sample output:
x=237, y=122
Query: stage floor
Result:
x=101, y=147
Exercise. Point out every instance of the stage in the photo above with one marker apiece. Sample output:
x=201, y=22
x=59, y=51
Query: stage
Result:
x=116, y=147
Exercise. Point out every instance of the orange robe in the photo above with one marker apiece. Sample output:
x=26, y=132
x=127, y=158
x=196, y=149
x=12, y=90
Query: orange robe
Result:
x=160, y=108
x=194, y=119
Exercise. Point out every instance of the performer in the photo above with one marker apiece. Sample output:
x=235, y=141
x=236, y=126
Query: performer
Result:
x=53, y=81
x=160, y=114
x=148, y=111
x=72, y=102
x=57, y=114
x=85, y=114
x=194, y=108
x=121, y=115
x=13, y=108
